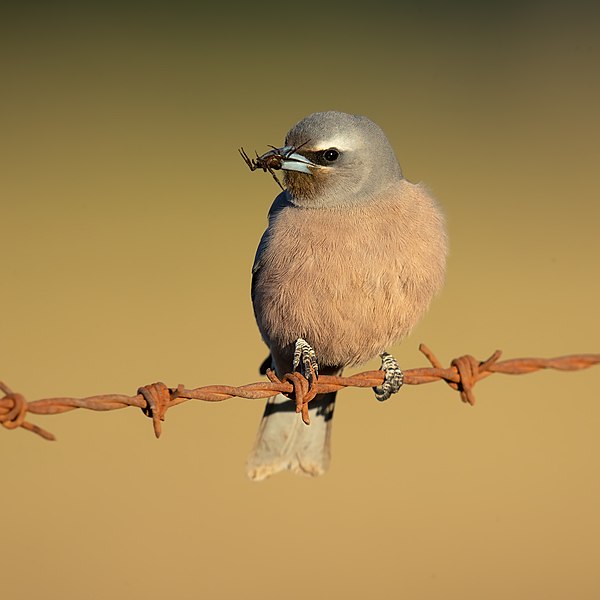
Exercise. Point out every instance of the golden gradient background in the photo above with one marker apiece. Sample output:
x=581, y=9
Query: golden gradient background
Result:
x=129, y=226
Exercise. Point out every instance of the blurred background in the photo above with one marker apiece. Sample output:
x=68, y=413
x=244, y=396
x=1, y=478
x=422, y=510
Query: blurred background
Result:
x=129, y=225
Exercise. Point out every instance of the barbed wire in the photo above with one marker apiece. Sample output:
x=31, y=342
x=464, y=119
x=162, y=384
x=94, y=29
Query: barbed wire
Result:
x=155, y=399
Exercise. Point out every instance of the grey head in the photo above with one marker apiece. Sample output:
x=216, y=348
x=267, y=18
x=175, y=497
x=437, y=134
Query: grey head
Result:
x=338, y=160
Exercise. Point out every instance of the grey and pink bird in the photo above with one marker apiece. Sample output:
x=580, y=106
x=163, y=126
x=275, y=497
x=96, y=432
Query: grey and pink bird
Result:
x=352, y=257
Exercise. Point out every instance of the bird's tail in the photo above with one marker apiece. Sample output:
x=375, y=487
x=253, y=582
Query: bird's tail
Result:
x=285, y=442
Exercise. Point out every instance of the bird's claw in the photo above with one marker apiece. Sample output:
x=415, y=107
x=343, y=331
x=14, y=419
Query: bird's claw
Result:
x=394, y=378
x=306, y=359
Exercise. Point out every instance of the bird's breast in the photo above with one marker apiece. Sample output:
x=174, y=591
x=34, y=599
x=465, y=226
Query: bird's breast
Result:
x=349, y=282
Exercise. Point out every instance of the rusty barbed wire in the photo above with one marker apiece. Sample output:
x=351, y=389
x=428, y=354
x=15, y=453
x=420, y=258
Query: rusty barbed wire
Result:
x=155, y=399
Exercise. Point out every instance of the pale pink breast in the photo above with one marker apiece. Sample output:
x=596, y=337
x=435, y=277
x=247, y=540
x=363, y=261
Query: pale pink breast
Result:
x=349, y=282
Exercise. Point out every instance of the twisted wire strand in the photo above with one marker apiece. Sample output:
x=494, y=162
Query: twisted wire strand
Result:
x=155, y=399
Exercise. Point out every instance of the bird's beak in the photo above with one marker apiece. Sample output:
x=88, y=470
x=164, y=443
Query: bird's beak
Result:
x=292, y=161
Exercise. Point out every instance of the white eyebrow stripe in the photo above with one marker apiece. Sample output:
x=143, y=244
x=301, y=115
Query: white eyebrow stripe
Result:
x=340, y=142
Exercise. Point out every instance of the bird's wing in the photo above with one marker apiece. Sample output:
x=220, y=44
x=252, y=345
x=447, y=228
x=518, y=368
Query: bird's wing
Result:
x=280, y=202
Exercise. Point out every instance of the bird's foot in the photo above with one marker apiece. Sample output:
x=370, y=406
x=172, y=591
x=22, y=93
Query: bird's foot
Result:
x=305, y=370
x=394, y=378
x=306, y=359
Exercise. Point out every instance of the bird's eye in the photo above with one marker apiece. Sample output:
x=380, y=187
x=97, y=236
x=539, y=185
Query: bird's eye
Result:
x=331, y=155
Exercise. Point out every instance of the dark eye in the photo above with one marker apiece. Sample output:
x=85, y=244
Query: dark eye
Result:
x=331, y=155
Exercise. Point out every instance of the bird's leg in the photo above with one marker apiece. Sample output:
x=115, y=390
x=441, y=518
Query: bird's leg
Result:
x=394, y=377
x=304, y=355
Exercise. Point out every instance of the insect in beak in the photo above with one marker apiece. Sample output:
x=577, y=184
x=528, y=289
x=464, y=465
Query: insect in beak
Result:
x=286, y=158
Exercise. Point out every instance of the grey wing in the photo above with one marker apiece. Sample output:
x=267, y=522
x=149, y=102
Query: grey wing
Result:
x=280, y=202
x=257, y=264
x=267, y=363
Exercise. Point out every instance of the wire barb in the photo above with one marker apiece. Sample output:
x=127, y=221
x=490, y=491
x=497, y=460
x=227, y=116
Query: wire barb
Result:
x=155, y=399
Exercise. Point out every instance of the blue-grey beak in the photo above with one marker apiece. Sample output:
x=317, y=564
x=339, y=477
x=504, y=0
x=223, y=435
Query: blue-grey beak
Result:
x=292, y=161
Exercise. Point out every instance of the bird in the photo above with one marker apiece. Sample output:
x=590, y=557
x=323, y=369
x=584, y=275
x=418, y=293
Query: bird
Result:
x=351, y=259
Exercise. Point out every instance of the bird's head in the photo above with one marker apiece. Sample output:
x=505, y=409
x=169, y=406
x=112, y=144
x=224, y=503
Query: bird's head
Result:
x=334, y=159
